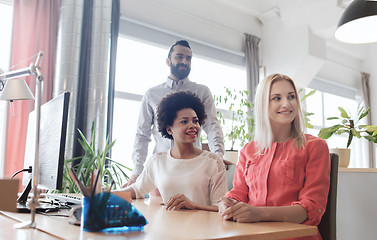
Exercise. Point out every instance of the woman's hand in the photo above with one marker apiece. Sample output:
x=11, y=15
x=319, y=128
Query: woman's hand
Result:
x=225, y=203
x=131, y=180
x=127, y=189
x=180, y=201
x=242, y=212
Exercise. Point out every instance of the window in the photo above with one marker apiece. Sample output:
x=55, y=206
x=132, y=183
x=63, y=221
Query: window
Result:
x=325, y=105
x=5, y=43
x=141, y=65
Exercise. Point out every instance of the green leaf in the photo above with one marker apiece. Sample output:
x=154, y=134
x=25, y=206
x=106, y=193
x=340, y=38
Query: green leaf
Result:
x=343, y=113
x=308, y=125
x=308, y=95
x=355, y=133
x=332, y=118
x=119, y=164
x=371, y=139
x=364, y=114
x=325, y=133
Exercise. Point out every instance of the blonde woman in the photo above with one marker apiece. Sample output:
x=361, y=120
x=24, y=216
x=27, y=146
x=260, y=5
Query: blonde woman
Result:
x=284, y=174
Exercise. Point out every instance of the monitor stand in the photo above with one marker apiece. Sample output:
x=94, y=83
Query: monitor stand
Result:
x=23, y=197
x=23, y=207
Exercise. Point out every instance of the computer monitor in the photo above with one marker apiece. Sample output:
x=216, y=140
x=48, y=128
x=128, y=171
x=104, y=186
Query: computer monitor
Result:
x=53, y=131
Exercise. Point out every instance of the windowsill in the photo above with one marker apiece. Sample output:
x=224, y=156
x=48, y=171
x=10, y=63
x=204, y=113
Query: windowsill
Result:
x=361, y=170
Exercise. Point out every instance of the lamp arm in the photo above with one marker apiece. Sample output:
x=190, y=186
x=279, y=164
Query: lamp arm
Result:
x=35, y=179
x=17, y=73
x=38, y=102
x=32, y=69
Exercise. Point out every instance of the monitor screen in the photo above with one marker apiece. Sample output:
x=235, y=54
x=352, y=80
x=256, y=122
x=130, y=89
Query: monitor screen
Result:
x=53, y=129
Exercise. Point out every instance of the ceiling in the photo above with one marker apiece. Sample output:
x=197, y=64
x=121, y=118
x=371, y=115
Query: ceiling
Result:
x=321, y=16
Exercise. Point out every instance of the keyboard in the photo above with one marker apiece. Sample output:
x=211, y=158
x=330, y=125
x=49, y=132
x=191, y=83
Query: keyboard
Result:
x=65, y=199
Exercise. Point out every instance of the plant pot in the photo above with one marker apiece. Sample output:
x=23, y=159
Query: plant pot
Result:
x=344, y=156
x=231, y=156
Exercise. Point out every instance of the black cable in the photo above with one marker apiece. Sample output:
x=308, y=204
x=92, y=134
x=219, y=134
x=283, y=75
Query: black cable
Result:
x=29, y=170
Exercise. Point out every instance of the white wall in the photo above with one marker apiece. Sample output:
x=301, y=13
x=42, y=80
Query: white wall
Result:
x=356, y=211
x=294, y=51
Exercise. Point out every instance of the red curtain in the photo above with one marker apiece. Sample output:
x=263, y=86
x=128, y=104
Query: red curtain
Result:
x=35, y=27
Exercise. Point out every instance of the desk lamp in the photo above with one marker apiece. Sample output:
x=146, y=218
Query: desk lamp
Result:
x=16, y=89
x=358, y=23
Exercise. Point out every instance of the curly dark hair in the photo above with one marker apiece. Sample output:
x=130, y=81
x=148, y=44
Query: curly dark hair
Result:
x=172, y=103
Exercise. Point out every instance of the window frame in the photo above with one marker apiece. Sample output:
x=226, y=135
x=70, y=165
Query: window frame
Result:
x=358, y=146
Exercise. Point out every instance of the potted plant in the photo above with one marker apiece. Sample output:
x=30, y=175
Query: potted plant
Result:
x=306, y=114
x=348, y=124
x=93, y=161
x=236, y=119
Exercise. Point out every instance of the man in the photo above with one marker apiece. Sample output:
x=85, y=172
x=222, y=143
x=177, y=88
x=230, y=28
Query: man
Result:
x=179, y=61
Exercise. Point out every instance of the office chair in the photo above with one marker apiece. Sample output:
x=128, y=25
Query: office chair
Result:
x=230, y=175
x=229, y=169
x=327, y=226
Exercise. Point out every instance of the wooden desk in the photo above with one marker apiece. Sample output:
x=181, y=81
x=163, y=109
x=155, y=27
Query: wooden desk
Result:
x=7, y=231
x=174, y=225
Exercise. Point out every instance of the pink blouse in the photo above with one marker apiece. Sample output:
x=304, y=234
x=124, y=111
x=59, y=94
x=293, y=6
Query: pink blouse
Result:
x=285, y=176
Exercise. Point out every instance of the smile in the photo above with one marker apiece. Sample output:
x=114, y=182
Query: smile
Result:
x=285, y=112
x=191, y=133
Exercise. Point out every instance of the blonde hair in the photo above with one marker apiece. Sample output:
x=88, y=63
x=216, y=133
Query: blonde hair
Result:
x=263, y=131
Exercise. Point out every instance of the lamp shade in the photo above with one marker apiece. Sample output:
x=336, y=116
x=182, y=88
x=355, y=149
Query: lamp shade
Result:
x=358, y=23
x=16, y=89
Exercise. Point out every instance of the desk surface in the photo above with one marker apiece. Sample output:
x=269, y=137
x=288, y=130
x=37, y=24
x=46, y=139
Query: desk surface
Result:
x=7, y=231
x=163, y=224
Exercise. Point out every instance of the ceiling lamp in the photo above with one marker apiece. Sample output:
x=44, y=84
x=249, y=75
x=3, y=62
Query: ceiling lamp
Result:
x=358, y=23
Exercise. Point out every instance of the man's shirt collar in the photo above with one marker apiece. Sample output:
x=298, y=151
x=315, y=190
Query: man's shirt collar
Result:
x=171, y=83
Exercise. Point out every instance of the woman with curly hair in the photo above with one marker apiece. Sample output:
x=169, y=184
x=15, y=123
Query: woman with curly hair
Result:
x=187, y=177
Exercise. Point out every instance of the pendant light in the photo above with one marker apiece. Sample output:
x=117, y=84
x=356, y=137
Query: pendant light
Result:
x=358, y=23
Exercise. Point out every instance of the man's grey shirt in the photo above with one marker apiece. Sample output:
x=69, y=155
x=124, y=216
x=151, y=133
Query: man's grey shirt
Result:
x=147, y=123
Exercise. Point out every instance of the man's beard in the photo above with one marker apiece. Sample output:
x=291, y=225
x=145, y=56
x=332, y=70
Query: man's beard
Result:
x=180, y=73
